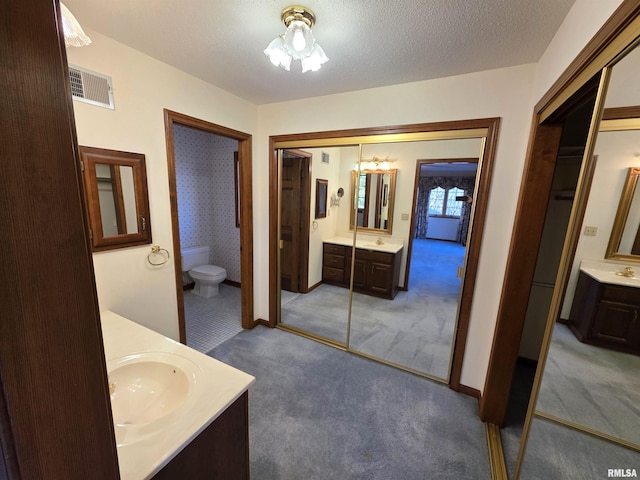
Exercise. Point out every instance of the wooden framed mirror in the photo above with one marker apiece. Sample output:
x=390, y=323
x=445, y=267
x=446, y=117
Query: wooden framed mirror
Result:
x=372, y=200
x=115, y=185
x=624, y=243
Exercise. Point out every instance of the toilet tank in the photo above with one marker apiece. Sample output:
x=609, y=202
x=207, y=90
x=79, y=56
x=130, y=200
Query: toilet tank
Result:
x=194, y=257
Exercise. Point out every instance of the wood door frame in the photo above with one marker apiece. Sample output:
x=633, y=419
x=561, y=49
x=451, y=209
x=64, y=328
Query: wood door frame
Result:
x=491, y=124
x=55, y=411
x=305, y=207
x=172, y=118
x=527, y=230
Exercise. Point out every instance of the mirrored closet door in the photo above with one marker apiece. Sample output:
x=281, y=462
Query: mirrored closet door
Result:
x=586, y=415
x=351, y=210
x=408, y=278
x=314, y=272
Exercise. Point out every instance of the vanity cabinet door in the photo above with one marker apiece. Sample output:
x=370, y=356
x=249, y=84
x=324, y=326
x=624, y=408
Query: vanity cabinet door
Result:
x=335, y=264
x=381, y=278
x=360, y=274
x=617, y=324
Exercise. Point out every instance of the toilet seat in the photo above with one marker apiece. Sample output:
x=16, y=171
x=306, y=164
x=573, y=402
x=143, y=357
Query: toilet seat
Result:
x=208, y=271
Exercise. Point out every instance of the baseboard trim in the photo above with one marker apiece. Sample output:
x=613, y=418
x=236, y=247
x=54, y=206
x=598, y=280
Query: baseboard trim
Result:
x=496, y=452
x=262, y=321
x=232, y=283
x=472, y=392
x=313, y=287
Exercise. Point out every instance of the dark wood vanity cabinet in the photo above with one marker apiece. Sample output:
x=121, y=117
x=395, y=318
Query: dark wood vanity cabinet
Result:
x=606, y=315
x=219, y=452
x=375, y=273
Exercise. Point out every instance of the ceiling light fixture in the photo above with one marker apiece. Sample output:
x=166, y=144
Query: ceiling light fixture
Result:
x=74, y=36
x=297, y=43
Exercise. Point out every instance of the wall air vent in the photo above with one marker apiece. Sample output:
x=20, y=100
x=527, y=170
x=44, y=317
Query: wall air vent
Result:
x=91, y=87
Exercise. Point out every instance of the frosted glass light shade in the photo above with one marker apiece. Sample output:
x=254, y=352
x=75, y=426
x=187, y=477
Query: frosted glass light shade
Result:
x=298, y=40
x=278, y=54
x=74, y=36
x=315, y=60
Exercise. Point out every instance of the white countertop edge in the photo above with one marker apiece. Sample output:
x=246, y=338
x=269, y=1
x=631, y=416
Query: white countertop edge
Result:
x=221, y=385
x=605, y=272
x=366, y=244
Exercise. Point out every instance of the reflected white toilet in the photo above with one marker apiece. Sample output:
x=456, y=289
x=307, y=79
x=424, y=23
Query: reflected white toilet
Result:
x=195, y=260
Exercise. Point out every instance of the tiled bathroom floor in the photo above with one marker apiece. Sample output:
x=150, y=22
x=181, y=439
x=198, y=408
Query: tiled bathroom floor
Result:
x=211, y=321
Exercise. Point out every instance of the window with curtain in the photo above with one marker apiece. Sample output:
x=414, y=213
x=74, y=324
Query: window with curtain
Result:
x=443, y=202
x=437, y=196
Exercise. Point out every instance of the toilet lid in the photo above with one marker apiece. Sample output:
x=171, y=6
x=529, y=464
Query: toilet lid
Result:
x=211, y=270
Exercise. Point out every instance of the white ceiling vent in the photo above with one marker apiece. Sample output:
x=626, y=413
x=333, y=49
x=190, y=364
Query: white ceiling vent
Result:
x=91, y=87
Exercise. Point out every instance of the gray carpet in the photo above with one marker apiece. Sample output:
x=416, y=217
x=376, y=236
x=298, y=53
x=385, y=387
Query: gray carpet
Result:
x=591, y=386
x=414, y=330
x=320, y=413
x=558, y=452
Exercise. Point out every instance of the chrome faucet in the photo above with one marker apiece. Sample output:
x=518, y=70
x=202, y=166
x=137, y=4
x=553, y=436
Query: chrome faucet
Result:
x=628, y=272
x=379, y=241
x=112, y=388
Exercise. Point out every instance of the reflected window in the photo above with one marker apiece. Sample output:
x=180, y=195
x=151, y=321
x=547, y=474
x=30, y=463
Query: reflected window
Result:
x=362, y=191
x=443, y=202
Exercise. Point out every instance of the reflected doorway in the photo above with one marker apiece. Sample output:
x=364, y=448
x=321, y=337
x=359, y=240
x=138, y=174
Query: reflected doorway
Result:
x=294, y=220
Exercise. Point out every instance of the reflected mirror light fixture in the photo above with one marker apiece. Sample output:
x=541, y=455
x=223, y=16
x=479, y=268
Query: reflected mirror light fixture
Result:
x=374, y=164
x=74, y=36
x=297, y=43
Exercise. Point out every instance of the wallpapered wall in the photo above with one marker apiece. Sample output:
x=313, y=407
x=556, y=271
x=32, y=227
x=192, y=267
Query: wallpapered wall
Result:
x=206, y=205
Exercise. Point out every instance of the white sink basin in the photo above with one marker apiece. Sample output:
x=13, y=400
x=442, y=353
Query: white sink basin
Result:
x=146, y=389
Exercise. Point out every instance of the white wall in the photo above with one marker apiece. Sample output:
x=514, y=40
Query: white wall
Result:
x=580, y=25
x=143, y=86
x=324, y=228
x=205, y=184
x=441, y=228
x=616, y=151
x=502, y=93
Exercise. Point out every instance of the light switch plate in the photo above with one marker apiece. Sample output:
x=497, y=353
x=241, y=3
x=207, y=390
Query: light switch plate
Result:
x=590, y=231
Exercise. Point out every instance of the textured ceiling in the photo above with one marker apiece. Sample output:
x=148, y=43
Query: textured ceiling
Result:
x=370, y=43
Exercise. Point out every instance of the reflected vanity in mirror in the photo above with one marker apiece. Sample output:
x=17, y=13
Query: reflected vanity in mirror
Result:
x=624, y=243
x=584, y=415
x=372, y=200
x=116, y=195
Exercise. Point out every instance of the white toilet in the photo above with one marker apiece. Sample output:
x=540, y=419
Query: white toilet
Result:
x=195, y=260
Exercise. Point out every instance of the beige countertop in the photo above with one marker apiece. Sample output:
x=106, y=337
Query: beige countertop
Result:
x=608, y=273
x=216, y=386
x=368, y=243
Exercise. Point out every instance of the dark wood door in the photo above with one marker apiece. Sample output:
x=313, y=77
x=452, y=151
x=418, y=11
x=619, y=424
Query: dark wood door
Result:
x=294, y=220
x=55, y=414
x=290, y=223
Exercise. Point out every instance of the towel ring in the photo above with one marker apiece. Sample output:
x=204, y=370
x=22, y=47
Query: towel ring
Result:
x=156, y=250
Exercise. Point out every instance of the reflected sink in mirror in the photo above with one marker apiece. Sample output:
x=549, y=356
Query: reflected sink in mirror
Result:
x=146, y=390
x=613, y=275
